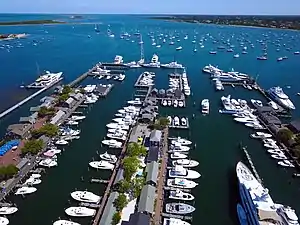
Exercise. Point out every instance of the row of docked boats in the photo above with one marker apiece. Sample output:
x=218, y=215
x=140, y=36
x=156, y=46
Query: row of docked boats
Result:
x=178, y=122
x=180, y=179
x=273, y=149
x=257, y=205
x=175, y=103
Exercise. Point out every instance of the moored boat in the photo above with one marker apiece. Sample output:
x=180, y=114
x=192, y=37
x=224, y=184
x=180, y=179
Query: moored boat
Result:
x=179, y=208
x=85, y=196
x=80, y=211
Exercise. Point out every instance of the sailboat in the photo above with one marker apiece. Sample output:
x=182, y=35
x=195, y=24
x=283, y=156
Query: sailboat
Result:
x=96, y=28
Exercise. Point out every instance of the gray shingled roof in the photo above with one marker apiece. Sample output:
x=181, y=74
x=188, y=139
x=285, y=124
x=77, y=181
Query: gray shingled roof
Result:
x=155, y=135
x=152, y=172
x=147, y=198
x=109, y=210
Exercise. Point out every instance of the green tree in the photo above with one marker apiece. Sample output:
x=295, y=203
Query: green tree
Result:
x=44, y=111
x=7, y=172
x=116, y=218
x=123, y=186
x=48, y=129
x=161, y=123
x=63, y=97
x=138, y=184
x=284, y=135
x=135, y=149
x=130, y=165
x=66, y=90
x=120, y=202
x=32, y=146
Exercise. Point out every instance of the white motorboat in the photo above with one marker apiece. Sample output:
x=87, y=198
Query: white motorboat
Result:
x=174, y=221
x=181, y=172
x=183, y=121
x=61, y=142
x=8, y=210
x=255, y=125
x=279, y=156
x=179, y=48
x=180, y=104
x=177, y=147
x=33, y=181
x=178, y=155
x=181, y=183
x=77, y=118
x=175, y=103
x=117, y=136
x=256, y=103
x=271, y=145
x=176, y=121
x=277, y=94
x=4, y=221
x=261, y=135
x=104, y=165
x=286, y=163
x=109, y=157
x=170, y=119
x=245, y=119
x=164, y=102
x=65, y=222
x=154, y=62
x=136, y=101
x=80, y=211
x=273, y=105
x=275, y=151
x=179, y=208
x=117, y=131
x=25, y=190
x=219, y=85
x=112, y=143
x=36, y=175
x=117, y=126
x=72, y=122
x=269, y=141
x=48, y=163
x=172, y=65
x=205, y=106
x=185, y=163
x=180, y=195
x=85, y=196
x=181, y=141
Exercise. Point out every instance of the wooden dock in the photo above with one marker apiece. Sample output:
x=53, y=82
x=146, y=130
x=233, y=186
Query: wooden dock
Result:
x=106, y=65
x=167, y=188
x=81, y=77
x=251, y=164
x=89, y=205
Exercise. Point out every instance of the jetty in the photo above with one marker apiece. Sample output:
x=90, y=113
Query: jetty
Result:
x=81, y=77
x=251, y=164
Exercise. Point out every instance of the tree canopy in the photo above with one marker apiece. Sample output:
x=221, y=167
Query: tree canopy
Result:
x=116, y=218
x=130, y=165
x=120, y=202
x=284, y=135
x=65, y=93
x=138, y=184
x=44, y=111
x=33, y=146
x=123, y=186
x=161, y=123
x=7, y=172
x=135, y=149
x=48, y=129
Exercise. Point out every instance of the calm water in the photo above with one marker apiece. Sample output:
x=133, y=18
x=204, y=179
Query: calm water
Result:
x=67, y=48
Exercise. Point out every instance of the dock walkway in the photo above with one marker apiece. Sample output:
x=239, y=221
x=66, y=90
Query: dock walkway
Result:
x=81, y=77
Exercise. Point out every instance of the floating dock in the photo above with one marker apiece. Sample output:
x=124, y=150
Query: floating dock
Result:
x=99, y=181
x=89, y=205
x=177, y=216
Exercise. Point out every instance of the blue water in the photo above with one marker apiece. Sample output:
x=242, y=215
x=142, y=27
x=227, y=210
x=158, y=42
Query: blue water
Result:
x=67, y=48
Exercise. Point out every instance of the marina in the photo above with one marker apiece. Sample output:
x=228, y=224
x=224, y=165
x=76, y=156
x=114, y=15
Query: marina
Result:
x=210, y=135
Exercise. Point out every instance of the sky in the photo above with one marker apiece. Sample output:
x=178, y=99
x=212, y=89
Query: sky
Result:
x=217, y=7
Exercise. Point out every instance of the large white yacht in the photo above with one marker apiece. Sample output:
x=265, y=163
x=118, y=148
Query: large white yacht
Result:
x=174, y=221
x=154, y=62
x=181, y=172
x=80, y=211
x=85, y=196
x=277, y=94
x=65, y=222
x=211, y=69
x=180, y=195
x=4, y=221
x=104, y=165
x=8, y=210
x=257, y=202
x=185, y=163
x=181, y=183
x=25, y=190
x=47, y=79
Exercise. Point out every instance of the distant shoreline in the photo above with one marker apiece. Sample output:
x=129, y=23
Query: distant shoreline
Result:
x=30, y=22
x=280, y=22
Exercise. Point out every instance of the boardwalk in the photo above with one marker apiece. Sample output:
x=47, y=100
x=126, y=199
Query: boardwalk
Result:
x=109, y=186
x=161, y=180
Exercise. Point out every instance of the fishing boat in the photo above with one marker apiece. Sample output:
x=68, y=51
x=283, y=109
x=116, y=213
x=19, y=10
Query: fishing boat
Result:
x=85, y=196
x=80, y=211
x=104, y=165
x=179, y=208
x=180, y=195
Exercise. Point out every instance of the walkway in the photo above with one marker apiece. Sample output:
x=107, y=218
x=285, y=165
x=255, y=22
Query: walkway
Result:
x=161, y=180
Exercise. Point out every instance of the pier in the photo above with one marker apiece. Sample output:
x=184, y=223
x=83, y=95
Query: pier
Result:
x=251, y=164
x=6, y=112
x=99, y=181
x=81, y=77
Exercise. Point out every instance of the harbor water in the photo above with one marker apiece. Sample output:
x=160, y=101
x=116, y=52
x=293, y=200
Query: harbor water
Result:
x=75, y=47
